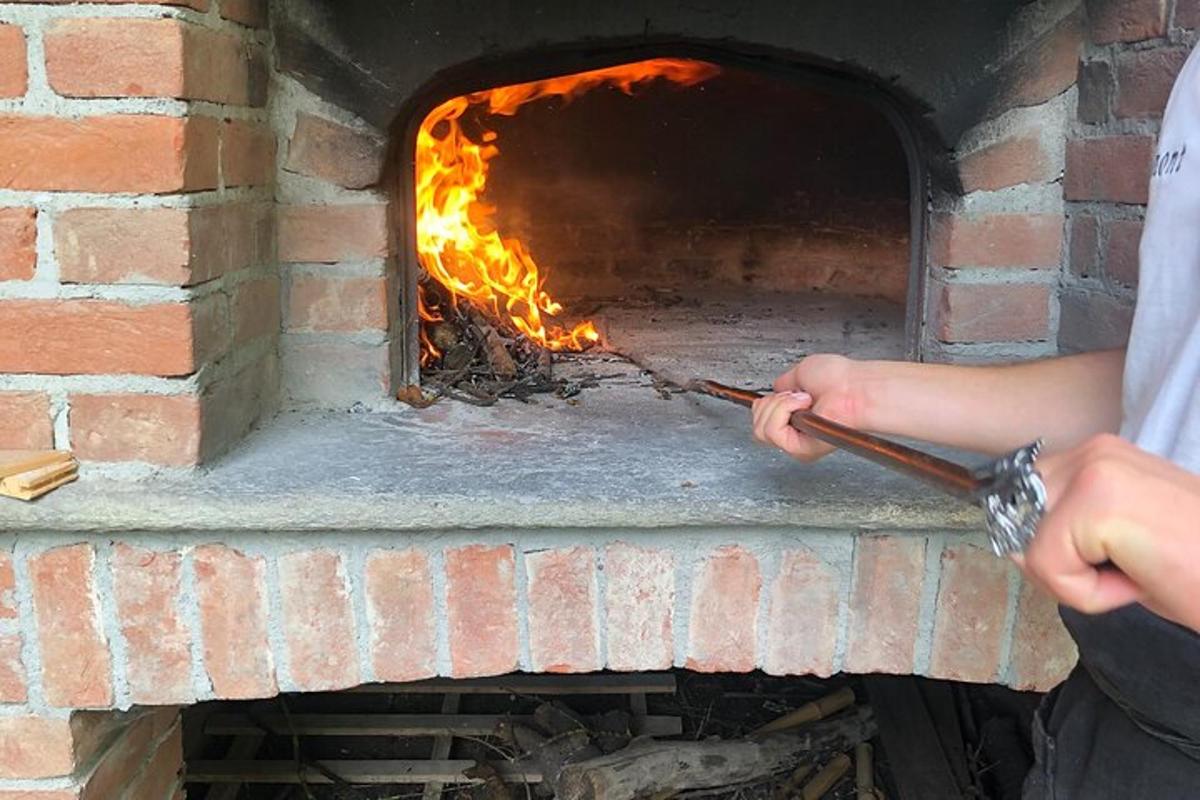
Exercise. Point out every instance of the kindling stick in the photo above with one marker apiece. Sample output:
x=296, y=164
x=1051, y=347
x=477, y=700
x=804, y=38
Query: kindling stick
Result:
x=1009, y=490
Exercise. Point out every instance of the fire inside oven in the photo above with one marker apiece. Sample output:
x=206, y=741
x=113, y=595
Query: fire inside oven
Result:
x=714, y=219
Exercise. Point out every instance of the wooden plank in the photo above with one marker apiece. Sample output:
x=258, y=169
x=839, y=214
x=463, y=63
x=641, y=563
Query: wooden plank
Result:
x=243, y=747
x=918, y=763
x=391, y=724
x=441, y=746
x=362, y=772
x=650, y=683
x=943, y=713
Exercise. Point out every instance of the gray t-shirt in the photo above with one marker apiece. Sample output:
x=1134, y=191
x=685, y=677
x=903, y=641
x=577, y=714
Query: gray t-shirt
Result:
x=1162, y=367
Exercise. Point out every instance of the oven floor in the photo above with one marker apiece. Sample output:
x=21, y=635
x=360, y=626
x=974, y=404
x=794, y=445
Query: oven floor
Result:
x=749, y=338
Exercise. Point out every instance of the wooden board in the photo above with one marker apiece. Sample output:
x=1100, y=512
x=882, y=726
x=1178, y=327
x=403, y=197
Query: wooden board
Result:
x=391, y=724
x=365, y=772
x=14, y=462
x=649, y=683
x=918, y=763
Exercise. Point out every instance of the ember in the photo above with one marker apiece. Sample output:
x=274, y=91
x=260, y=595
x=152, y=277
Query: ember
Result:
x=470, y=267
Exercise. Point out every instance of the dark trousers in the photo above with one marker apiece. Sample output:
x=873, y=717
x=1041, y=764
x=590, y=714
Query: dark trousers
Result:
x=1126, y=723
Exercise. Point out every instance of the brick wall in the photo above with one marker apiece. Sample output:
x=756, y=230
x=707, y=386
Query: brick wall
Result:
x=145, y=620
x=341, y=342
x=995, y=248
x=138, y=297
x=1132, y=54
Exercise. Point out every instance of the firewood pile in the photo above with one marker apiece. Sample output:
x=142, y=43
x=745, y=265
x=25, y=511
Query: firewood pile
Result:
x=642, y=736
x=804, y=755
x=482, y=360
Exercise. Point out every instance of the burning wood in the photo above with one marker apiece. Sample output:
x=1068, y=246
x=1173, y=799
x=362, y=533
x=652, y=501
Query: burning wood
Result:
x=458, y=245
x=480, y=361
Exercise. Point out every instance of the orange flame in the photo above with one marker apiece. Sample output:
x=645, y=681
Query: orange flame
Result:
x=457, y=243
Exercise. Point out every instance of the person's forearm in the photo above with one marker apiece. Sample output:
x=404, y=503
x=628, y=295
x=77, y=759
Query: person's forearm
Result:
x=993, y=409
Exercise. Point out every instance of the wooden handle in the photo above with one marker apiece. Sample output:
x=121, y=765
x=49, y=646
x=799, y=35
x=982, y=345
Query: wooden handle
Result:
x=934, y=470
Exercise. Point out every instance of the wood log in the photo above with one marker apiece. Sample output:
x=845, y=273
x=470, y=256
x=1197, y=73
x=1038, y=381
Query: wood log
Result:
x=826, y=779
x=864, y=772
x=494, y=349
x=810, y=712
x=648, y=768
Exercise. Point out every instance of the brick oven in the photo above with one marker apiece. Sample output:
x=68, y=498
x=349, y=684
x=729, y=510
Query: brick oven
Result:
x=208, y=291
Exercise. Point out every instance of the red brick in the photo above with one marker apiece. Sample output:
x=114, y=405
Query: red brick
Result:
x=324, y=149
x=134, y=153
x=76, y=666
x=1043, y=653
x=120, y=763
x=1001, y=312
x=328, y=234
x=1187, y=13
x=8, y=587
x=972, y=603
x=1085, y=245
x=1121, y=254
x=212, y=330
x=162, y=771
x=802, y=625
x=256, y=310
x=885, y=604
x=168, y=246
x=115, y=57
x=399, y=591
x=219, y=67
x=110, y=57
x=157, y=640
x=108, y=245
x=1009, y=162
x=998, y=240
x=1095, y=91
x=18, y=243
x=247, y=153
x=36, y=747
x=25, y=422
x=1093, y=321
x=1112, y=168
x=1145, y=79
x=318, y=623
x=157, y=429
x=562, y=610
x=248, y=12
x=639, y=607
x=1044, y=69
x=13, y=688
x=337, y=304
x=14, y=72
x=232, y=595
x=481, y=604
x=723, y=628
x=90, y=337
x=1126, y=20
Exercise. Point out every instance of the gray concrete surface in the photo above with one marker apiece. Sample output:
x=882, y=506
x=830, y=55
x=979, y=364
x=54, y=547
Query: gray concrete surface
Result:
x=622, y=457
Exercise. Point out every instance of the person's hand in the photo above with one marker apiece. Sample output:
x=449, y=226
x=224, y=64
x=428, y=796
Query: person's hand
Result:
x=823, y=383
x=1122, y=526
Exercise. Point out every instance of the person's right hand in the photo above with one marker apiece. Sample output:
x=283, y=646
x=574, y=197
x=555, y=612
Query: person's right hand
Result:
x=823, y=383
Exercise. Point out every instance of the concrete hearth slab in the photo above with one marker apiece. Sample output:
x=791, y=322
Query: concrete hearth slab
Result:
x=620, y=457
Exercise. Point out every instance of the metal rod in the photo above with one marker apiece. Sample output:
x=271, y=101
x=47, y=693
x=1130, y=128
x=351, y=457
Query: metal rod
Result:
x=952, y=478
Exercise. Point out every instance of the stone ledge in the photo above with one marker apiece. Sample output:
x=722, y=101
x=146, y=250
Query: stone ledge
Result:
x=620, y=459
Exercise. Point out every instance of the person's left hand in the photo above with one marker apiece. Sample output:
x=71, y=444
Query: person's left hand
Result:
x=1122, y=526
